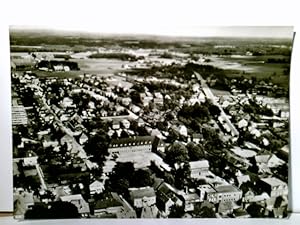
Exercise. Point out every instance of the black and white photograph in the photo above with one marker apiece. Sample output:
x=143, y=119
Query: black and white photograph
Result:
x=157, y=125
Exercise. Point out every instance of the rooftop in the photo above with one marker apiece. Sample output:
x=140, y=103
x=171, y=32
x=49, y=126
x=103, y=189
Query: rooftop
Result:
x=107, y=203
x=137, y=140
x=141, y=192
x=273, y=181
x=199, y=164
x=226, y=188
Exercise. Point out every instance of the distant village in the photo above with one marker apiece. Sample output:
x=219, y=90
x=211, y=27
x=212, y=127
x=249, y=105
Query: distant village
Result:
x=145, y=146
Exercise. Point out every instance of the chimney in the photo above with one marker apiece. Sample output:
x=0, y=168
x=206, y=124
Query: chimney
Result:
x=186, y=189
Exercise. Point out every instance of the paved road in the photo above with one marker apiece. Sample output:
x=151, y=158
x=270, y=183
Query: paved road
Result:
x=210, y=95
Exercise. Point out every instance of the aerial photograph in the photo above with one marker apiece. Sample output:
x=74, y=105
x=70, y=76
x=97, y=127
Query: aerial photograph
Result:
x=150, y=125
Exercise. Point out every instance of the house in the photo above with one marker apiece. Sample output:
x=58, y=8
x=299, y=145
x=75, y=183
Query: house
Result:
x=126, y=101
x=267, y=161
x=189, y=200
x=113, y=206
x=125, y=123
x=131, y=144
x=110, y=132
x=183, y=130
x=103, y=113
x=146, y=98
x=141, y=122
x=67, y=102
x=158, y=145
x=199, y=168
x=285, y=113
x=164, y=203
x=250, y=197
x=221, y=193
x=115, y=125
x=242, y=123
x=23, y=201
x=196, y=137
x=134, y=108
x=142, y=197
x=166, y=197
x=273, y=186
x=96, y=187
x=243, y=179
x=83, y=138
x=206, y=193
x=82, y=206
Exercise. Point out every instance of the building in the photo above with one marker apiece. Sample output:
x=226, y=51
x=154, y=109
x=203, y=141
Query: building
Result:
x=197, y=138
x=267, y=161
x=113, y=206
x=142, y=197
x=242, y=123
x=83, y=138
x=115, y=125
x=82, y=206
x=166, y=197
x=199, y=168
x=96, y=187
x=273, y=186
x=141, y=122
x=219, y=194
x=19, y=115
x=125, y=123
x=159, y=145
x=189, y=199
x=131, y=144
x=23, y=201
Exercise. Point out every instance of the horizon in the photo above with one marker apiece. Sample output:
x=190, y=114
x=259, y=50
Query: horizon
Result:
x=243, y=32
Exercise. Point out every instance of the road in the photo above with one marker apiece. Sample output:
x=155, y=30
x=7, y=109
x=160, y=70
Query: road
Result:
x=210, y=95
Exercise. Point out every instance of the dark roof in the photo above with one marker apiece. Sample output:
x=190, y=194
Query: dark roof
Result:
x=226, y=188
x=137, y=140
x=142, y=192
x=106, y=203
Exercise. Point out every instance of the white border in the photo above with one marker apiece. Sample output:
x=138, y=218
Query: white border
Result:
x=141, y=16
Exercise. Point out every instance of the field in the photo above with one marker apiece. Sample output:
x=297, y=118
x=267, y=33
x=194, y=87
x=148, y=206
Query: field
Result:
x=100, y=66
x=254, y=66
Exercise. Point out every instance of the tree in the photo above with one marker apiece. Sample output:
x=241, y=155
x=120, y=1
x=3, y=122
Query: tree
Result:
x=124, y=134
x=97, y=146
x=195, y=152
x=204, y=212
x=57, y=210
x=61, y=209
x=255, y=210
x=176, y=153
x=121, y=177
x=141, y=178
x=182, y=176
x=214, y=110
x=176, y=211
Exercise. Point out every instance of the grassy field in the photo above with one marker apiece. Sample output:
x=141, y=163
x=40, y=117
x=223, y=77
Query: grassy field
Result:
x=255, y=66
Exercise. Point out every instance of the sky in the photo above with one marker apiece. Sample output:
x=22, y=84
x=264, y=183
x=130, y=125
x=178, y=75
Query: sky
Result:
x=189, y=31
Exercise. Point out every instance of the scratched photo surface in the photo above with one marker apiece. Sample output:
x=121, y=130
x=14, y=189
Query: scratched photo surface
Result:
x=150, y=126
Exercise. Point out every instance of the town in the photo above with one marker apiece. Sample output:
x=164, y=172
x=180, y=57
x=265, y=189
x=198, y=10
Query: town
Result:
x=153, y=132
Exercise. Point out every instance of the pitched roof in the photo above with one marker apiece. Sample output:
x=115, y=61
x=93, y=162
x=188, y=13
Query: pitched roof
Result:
x=243, y=179
x=137, y=140
x=141, y=192
x=69, y=198
x=199, y=164
x=273, y=181
x=226, y=188
x=107, y=203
